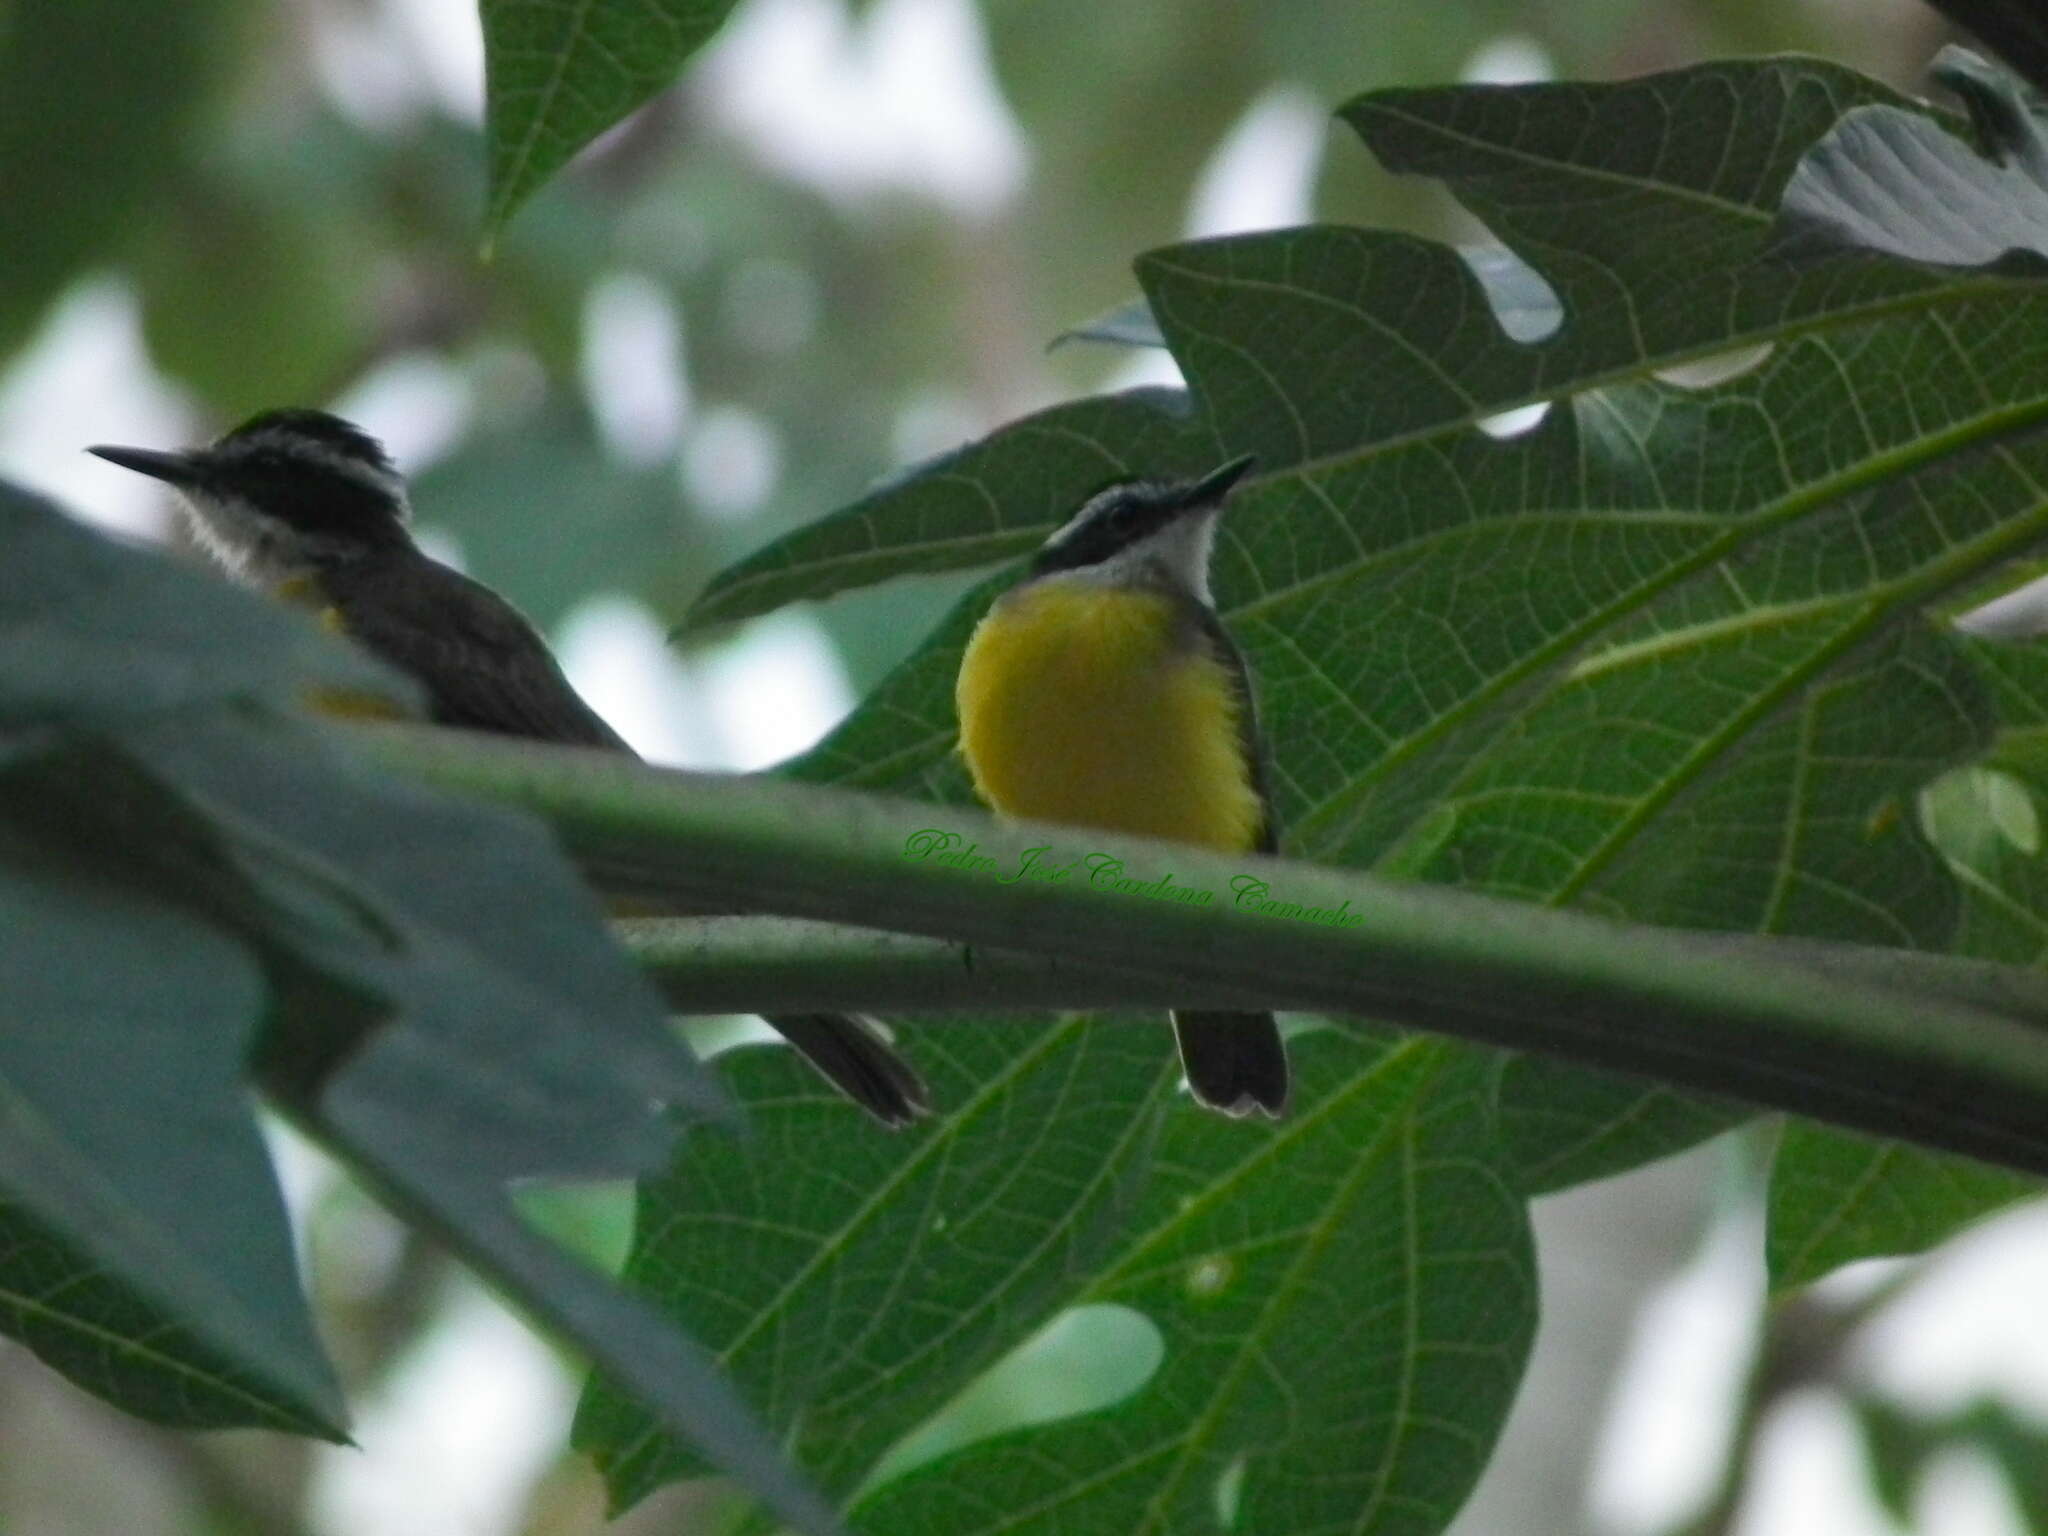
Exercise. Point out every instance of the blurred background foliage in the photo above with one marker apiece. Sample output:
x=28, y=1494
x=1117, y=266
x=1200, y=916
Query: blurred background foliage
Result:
x=842, y=243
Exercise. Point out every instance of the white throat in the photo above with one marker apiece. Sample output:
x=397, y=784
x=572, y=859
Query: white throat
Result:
x=1181, y=549
x=254, y=549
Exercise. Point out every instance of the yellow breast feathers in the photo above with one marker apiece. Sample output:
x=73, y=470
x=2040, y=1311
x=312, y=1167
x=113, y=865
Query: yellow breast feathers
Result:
x=1094, y=705
x=343, y=703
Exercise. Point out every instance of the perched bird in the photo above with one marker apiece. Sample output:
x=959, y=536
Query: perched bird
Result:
x=310, y=508
x=1102, y=691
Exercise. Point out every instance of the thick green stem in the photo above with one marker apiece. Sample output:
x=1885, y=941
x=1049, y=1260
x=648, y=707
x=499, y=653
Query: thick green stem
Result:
x=1872, y=1045
x=734, y=964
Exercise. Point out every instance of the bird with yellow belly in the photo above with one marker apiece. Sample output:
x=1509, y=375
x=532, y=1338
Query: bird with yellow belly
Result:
x=1104, y=692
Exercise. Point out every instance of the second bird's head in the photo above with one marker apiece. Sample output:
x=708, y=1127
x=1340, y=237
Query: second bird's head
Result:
x=286, y=491
x=1144, y=529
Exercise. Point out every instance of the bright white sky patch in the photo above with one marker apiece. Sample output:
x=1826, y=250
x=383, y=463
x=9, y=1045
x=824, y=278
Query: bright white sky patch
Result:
x=458, y=1435
x=375, y=84
x=1669, y=1416
x=2020, y=614
x=1512, y=58
x=417, y=405
x=86, y=379
x=616, y=655
x=1263, y=174
x=1515, y=422
x=632, y=367
x=1962, y=1493
x=768, y=693
x=1973, y=1324
x=933, y=421
x=447, y=43
x=1810, y=1478
x=901, y=100
x=774, y=689
x=731, y=462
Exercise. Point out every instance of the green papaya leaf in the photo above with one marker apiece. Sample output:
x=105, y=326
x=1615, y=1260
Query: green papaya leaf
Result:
x=73, y=113
x=1836, y=1198
x=144, y=1249
x=880, y=1278
x=184, y=858
x=557, y=73
x=1716, y=706
x=852, y=1282
x=1661, y=653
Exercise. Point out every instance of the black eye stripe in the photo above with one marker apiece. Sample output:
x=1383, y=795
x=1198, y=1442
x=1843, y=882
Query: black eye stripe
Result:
x=312, y=498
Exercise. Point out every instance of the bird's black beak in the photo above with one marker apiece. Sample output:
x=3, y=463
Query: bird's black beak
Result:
x=1214, y=486
x=175, y=468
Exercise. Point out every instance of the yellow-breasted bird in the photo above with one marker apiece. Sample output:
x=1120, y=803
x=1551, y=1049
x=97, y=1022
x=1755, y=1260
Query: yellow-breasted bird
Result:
x=1103, y=691
x=310, y=507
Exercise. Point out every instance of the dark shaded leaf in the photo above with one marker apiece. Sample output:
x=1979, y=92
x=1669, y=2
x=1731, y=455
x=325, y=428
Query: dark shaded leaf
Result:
x=1524, y=304
x=1669, y=726
x=95, y=635
x=144, y=1249
x=964, y=508
x=886, y=1276
x=2016, y=28
x=1346, y=1304
x=73, y=112
x=851, y=1283
x=1661, y=654
x=445, y=1009
x=1836, y=1198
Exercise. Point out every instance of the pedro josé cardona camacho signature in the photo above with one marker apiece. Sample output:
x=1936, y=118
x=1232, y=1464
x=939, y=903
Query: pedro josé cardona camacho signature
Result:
x=1107, y=873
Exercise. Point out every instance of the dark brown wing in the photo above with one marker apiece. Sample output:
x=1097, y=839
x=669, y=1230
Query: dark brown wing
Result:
x=1234, y=1061
x=483, y=666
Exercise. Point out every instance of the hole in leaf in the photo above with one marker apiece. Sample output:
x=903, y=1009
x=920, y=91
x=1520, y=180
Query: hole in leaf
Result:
x=1230, y=1493
x=1978, y=815
x=1717, y=368
x=2020, y=614
x=1210, y=1276
x=592, y=1218
x=1522, y=301
x=1081, y=1362
x=1523, y=418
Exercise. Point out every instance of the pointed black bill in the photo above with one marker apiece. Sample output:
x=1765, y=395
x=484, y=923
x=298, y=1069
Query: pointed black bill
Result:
x=176, y=468
x=1215, y=485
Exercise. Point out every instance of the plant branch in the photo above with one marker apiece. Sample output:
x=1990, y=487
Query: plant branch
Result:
x=1963, y=1068
x=732, y=964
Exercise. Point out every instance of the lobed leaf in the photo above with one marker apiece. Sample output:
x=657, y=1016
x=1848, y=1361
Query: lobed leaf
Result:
x=182, y=859
x=1662, y=654
x=1836, y=1198
x=144, y=1249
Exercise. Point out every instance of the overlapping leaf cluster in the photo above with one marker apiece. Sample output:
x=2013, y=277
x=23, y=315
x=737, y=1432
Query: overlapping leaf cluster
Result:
x=1665, y=655
x=196, y=886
